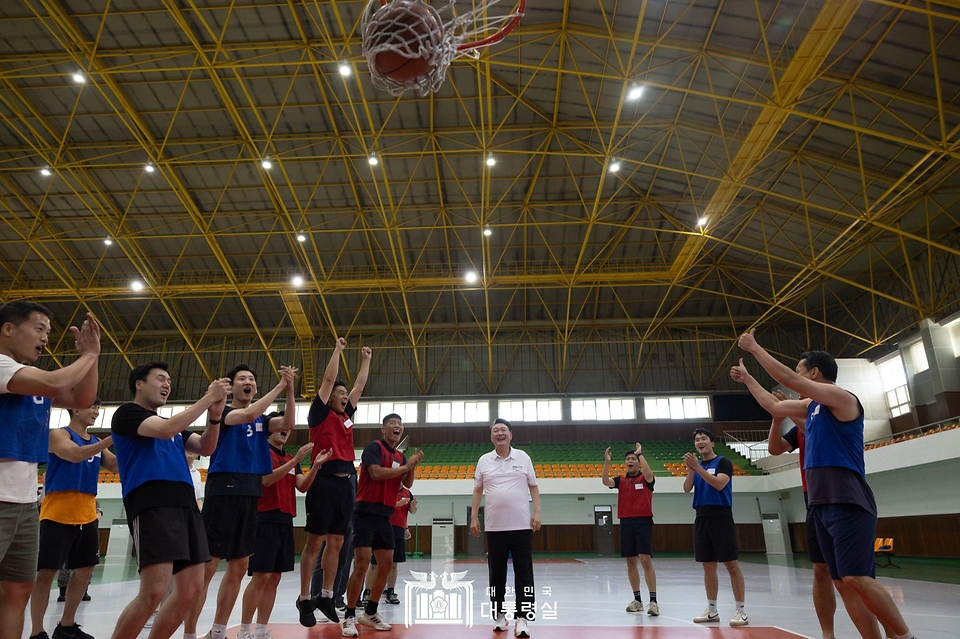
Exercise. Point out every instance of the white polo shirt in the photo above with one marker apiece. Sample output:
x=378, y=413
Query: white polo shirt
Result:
x=505, y=482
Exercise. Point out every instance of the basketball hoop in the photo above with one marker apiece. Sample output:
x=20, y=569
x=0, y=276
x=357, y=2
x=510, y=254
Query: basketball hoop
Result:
x=409, y=44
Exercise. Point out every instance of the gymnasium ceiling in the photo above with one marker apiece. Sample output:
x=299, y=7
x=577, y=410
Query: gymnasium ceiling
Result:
x=820, y=141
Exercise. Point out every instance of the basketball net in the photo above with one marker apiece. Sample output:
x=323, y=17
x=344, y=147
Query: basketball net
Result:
x=461, y=33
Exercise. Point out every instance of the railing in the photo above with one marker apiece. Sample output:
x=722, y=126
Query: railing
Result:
x=752, y=444
x=913, y=433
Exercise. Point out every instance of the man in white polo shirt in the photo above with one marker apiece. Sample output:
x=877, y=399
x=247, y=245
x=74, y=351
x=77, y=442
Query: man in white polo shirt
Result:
x=507, y=477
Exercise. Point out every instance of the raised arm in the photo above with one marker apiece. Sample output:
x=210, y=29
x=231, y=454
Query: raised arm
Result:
x=645, y=469
x=305, y=481
x=795, y=409
x=691, y=461
x=160, y=428
x=331, y=371
x=605, y=477
x=259, y=407
x=776, y=444
x=66, y=449
x=281, y=471
x=289, y=418
x=361, y=381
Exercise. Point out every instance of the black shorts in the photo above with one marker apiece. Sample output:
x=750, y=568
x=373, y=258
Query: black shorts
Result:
x=636, y=536
x=163, y=534
x=330, y=503
x=813, y=542
x=231, y=523
x=715, y=539
x=274, y=548
x=70, y=545
x=399, y=546
x=372, y=531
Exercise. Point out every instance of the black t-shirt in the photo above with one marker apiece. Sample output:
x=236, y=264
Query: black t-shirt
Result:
x=157, y=493
x=318, y=412
x=724, y=467
x=836, y=485
x=246, y=484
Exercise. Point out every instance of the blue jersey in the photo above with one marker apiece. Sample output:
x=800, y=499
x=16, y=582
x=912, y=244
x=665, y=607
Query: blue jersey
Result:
x=242, y=448
x=831, y=442
x=26, y=427
x=706, y=495
x=63, y=475
x=143, y=459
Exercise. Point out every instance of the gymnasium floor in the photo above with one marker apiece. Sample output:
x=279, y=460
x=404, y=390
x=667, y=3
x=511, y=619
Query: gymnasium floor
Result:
x=588, y=596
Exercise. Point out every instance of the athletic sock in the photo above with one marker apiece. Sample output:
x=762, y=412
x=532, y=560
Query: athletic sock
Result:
x=326, y=594
x=261, y=631
x=637, y=595
x=909, y=635
x=189, y=635
x=740, y=607
x=712, y=606
x=371, y=608
x=244, y=627
x=350, y=612
x=653, y=596
x=219, y=631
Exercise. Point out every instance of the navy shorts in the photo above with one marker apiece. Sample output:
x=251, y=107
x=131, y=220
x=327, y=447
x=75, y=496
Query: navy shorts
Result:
x=636, y=536
x=846, y=533
x=813, y=542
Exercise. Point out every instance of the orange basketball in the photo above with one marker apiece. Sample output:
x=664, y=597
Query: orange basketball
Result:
x=413, y=33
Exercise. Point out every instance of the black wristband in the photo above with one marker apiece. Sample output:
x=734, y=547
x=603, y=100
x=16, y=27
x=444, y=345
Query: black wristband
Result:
x=215, y=421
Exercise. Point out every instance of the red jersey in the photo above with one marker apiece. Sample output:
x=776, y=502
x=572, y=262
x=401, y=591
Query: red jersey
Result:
x=798, y=442
x=635, y=496
x=281, y=495
x=400, y=513
x=379, y=497
x=332, y=430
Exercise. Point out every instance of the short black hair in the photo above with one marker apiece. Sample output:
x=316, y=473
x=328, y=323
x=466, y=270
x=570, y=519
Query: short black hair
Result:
x=501, y=420
x=20, y=311
x=96, y=402
x=631, y=452
x=704, y=431
x=232, y=373
x=140, y=372
x=391, y=416
x=338, y=383
x=823, y=361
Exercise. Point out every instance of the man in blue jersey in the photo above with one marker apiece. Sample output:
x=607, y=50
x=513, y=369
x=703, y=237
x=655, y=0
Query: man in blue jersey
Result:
x=714, y=533
x=234, y=486
x=26, y=394
x=840, y=500
x=158, y=496
x=69, y=525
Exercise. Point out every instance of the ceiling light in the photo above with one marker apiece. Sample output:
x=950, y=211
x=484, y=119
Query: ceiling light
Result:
x=108, y=241
x=78, y=78
x=471, y=277
x=702, y=221
x=149, y=168
x=636, y=90
x=301, y=237
x=136, y=285
x=487, y=231
x=373, y=160
x=490, y=160
x=45, y=171
x=345, y=69
x=297, y=280
x=266, y=163
x=614, y=166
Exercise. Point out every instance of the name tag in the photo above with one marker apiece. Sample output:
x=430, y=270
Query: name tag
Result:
x=816, y=410
x=638, y=486
x=259, y=427
x=347, y=423
x=293, y=471
x=395, y=464
x=712, y=471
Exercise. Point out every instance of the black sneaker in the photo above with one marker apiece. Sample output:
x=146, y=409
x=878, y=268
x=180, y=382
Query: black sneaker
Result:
x=391, y=597
x=326, y=606
x=341, y=604
x=40, y=635
x=86, y=596
x=62, y=596
x=70, y=632
x=305, y=608
x=364, y=598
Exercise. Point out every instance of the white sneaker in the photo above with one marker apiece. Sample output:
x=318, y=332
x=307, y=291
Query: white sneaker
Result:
x=633, y=606
x=520, y=628
x=244, y=635
x=739, y=619
x=653, y=609
x=501, y=623
x=706, y=617
x=348, y=627
x=373, y=621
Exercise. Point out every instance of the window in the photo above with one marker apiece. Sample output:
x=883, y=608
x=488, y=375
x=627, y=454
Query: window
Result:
x=676, y=407
x=374, y=412
x=893, y=380
x=59, y=417
x=919, y=356
x=530, y=410
x=603, y=410
x=458, y=412
x=955, y=337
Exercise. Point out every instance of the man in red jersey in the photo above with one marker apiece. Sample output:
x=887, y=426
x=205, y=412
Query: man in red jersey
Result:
x=635, y=509
x=383, y=470
x=331, y=499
